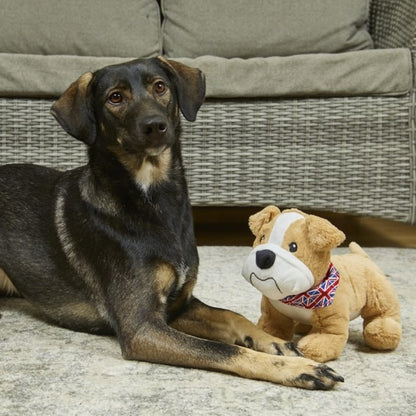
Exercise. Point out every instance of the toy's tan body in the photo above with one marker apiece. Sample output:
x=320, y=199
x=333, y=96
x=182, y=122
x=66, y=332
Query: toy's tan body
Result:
x=363, y=290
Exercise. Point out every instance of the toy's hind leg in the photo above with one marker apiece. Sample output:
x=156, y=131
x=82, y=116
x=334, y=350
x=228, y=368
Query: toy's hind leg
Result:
x=382, y=333
x=382, y=323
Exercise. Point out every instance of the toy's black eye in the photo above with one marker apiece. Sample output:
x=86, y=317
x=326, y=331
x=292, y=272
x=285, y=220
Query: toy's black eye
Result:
x=115, y=98
x=262, y=238
x=293, y=247
x=159, y=87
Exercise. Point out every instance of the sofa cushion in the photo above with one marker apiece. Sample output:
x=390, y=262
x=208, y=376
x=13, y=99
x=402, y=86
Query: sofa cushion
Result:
x=77, y=27
x=247, y=28
x=369, y=72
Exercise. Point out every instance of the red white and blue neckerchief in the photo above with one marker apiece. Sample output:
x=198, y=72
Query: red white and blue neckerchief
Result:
x=319, y=296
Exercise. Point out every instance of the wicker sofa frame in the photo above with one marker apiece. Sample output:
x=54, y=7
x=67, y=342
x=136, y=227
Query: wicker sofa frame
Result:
x=353, y=155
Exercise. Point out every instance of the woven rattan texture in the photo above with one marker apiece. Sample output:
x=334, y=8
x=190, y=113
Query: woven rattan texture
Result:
x=349, y=155
x=29, y=134
x=393, y=23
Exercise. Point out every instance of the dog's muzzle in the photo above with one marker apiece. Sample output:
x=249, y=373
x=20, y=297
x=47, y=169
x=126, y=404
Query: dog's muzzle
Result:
x=276, y=272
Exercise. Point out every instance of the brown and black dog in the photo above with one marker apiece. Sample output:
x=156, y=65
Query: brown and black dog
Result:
x=109, y=247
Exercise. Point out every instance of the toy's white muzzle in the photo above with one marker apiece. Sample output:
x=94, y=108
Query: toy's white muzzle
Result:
x=276, y=272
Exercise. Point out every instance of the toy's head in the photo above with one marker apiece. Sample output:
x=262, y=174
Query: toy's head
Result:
x=291, y=251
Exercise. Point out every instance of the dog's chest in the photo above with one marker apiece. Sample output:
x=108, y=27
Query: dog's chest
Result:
x=153, y=172
x=147, y=175
x=296, y=313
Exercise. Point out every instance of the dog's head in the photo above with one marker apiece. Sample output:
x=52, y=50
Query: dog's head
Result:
x=133, y=107
x=291, y=251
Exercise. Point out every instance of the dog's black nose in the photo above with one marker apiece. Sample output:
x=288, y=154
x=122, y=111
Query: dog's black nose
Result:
x=154, y=126
x=265, y=259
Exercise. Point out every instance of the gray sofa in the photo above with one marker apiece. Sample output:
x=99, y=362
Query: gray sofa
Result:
x=309, y=104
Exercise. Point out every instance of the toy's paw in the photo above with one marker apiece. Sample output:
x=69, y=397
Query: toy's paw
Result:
x=322, y=347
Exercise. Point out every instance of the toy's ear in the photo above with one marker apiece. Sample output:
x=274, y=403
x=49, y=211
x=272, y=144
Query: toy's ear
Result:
x=73, y=111
x=190, y=83
x=322, y=234
x=256, y=221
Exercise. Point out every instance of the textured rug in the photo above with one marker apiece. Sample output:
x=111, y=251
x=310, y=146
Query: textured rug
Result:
x=45, y=370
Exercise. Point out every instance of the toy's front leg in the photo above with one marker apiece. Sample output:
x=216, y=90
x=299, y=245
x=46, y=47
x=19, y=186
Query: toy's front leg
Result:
x=275, y=323
x=328, y=336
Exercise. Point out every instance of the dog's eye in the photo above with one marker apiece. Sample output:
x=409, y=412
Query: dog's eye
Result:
x=293, y=247
x=159, y=87
x=115, y=98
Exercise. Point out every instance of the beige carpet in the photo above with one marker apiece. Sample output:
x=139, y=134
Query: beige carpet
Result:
x=45, y=370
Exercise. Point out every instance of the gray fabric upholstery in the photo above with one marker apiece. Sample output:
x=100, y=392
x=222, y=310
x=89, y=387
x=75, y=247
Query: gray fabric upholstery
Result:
x=79, y=27
x=247, y=28
x=344, y=74
x=332, y=75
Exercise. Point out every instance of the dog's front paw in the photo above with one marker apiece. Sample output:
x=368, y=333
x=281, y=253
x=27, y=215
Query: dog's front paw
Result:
x=271, y=345
x=285, y=348
x=320, y=377
x=290, y=371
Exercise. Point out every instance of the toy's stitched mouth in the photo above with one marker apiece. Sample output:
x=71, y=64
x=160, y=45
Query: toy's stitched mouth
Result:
x=264, y=280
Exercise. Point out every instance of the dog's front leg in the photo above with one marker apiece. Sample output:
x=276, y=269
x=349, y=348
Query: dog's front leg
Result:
x=226, y=326
x=157, y=342
x=144, y=334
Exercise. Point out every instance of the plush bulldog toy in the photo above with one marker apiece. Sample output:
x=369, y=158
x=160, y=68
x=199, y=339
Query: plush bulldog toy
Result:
x=303, y=285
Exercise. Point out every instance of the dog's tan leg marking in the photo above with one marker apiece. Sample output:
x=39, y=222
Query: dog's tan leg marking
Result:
x=229, y=327
x=6, y=286
x=165, y=280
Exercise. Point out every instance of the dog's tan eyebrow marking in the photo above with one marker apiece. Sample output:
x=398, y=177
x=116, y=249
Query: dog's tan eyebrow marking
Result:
x=120, y=87
x=151, y=78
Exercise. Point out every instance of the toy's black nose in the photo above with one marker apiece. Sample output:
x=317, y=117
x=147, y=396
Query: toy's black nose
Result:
x=265, y=259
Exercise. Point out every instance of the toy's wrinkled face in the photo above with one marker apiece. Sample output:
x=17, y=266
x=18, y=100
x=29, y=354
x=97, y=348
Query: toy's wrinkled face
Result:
x=272, y=267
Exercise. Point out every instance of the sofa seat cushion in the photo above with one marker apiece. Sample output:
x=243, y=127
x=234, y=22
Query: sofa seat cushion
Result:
x=369, y=72
x=251, y=28
x=79, y=27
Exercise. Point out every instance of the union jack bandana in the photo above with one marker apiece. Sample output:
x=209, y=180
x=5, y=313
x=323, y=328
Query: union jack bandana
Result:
x=319, y=296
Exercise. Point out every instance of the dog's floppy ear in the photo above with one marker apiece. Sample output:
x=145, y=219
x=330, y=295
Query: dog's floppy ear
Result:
x=256, y=221
x=322, y=235
x=190, y=83
x=73, y=112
